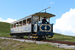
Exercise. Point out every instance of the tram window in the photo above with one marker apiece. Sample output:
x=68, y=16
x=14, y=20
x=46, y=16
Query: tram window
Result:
x=35, y=19
x=11, y=25
x=14, y=25
x=24, y=22
x=17, y=24
x=29, y=20
x=41, y=18
x=48, y=20
x=20, y=23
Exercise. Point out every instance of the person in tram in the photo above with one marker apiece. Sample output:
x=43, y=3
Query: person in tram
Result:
x=44, y=20
x=14, y=26
x=28, y=23
x=23, y=23
x=20, y=25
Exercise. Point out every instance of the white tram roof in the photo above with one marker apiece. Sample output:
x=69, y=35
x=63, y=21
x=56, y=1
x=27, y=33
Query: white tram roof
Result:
x=41, y=14
x=47, y=15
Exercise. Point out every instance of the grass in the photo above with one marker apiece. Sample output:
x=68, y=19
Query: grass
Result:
x=63, y=37
x=16, y=45
x=4, y=29
x=5, y=32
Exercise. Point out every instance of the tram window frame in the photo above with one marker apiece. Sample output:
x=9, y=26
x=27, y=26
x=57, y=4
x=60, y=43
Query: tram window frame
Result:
x=11, y=26
x=24, y=22
x=35, y=19
x=29, y=19
x=14, y=25
x=17, y=25
x=48, y=19
x=20, y=23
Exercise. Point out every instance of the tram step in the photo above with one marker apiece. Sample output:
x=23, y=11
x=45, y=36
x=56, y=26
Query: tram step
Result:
x=34, y=37
x=52, y=37
x=34, y=34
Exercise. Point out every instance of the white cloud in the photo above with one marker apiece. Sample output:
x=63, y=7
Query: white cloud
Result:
x=8, y=20
x=51, y=2
x=66, y=24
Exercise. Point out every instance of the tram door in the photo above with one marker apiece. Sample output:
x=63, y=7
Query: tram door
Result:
x=34, y=22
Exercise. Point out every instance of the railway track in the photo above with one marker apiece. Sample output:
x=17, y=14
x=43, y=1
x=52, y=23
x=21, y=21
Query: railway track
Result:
x=53, y=41
x=62, y=42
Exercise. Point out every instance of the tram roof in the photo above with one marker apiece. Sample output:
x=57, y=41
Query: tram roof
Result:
x=41, y=14
x=48, y=15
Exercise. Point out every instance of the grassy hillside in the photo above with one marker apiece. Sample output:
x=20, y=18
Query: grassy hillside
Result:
x=16, y=45
x=63, y=37
x=4, y=29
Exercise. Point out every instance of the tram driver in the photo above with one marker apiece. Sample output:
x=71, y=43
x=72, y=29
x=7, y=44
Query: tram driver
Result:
x=44, y=20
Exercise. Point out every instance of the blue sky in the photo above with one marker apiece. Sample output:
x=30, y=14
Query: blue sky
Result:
x=17, y=9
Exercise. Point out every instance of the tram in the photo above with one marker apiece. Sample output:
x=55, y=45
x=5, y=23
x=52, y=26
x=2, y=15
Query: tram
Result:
x=33, y=27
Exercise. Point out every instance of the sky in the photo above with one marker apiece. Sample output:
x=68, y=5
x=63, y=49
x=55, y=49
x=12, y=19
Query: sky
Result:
x=11, y=10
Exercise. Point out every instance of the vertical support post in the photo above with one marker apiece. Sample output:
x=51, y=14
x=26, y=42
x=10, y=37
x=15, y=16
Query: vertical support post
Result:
x=37, y=22
x=32, y=24
x=49, y=20
x=31, y=19
x=13, y=25
x=18, y=26
x=10, y=28
x=39, y=17
x=45, y=10
x=26, y=21
x=22, y=22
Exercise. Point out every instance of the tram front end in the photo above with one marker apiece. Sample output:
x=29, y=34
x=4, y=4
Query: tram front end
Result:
x=45, y=30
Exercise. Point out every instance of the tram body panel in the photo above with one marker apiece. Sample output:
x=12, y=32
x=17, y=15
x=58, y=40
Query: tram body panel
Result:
x=25, y=28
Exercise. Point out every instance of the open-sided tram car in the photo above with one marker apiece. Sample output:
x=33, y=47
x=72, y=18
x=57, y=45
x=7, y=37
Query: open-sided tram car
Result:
x=35, y=30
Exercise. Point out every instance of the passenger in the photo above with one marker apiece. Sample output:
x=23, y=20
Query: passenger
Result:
x=14, y=26
x=20, y=25
x=23, y=23
x=17, y=25
x=27, y=23
x=44, y=20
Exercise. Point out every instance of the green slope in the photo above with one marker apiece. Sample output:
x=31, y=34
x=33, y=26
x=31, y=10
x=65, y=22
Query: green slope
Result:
x=63, y=37
x=5, y=32
x=4, y=29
